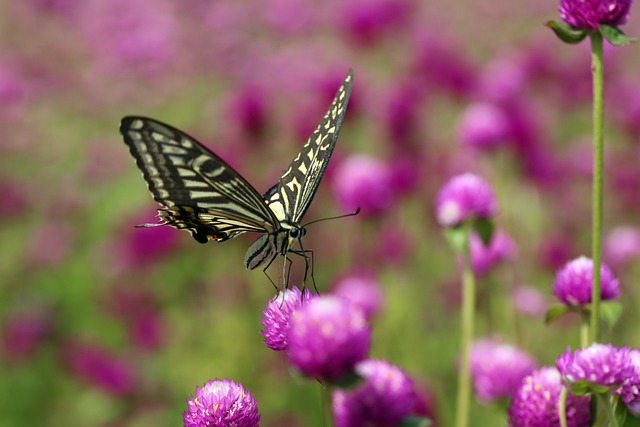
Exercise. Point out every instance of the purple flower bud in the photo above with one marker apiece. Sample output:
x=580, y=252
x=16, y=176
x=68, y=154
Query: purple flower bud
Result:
x=484, y=126
x=365, y=182
x=497, y=369
x=483, y=258
x=362, y=290
x=573, y=282
x=464, y=197
x=600, y=364
x=589, y=14
x=276, y=317
x=384, y=397
x=221, y=403
x=535, y=403
x=327, y=337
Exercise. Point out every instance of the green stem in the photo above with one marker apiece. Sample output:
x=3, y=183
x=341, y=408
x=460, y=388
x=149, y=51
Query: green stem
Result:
x=584, y=330
x=598, y=156
x=562, y=406
x=605, y=403
x=466, y=334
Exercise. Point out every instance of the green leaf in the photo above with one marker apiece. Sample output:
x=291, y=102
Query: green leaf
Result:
x=484, y=228
x=566, y=33
x=582, y=387
x=626, y=418
x=556, y=311
x=457, y=237
x=414, y=421
x=348, y=381
x=615, y=36
x=610, y=312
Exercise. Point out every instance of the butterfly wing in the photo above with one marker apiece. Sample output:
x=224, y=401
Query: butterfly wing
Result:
x=290, y=198
x=201, y=193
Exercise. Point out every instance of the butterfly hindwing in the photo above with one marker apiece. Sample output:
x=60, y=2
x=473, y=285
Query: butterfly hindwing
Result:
x=291, y=196
x=200, y=192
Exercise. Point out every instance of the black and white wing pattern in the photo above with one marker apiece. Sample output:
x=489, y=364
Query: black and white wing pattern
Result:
x=199, y=191
x=291, y=196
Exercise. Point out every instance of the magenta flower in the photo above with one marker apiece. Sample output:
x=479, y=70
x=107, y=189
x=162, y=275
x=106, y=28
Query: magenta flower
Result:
x=529, y=301
x=276, y=317
x=621, y=245
x=497, y=369
x=365, y=182
x=464, y=197
x=384, y=397
x=589, y=14
x=573, y=282
x=138, y=308
x=327, y=337
x=247, y=110
x=630, y=390
x=484, y=258
x=23, y=333
x=362, y=290
x=94, y=364
x=602, y=365
x=484, y=126
x=535, y=403
x=221, y=403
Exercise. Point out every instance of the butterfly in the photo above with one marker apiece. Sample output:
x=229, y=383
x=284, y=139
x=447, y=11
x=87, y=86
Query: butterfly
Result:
x=202, y=194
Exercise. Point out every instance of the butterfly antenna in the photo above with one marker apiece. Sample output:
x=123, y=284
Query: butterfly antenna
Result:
x=354, y=213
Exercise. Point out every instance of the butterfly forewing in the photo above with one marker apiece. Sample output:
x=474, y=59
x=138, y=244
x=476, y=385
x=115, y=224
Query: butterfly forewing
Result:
x=202, y=194
x=291, y=196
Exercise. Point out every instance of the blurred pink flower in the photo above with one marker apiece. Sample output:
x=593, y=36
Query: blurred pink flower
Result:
x=247, y=110
x=529, y=301
x=362, y=289
x=138, y=308
x=24, y=332
x=484, y=126
x=14, y=198
x=621, y=245
x=396, y=245
x=554, y=250
x=365, y=182
x=49, y=244
x=483, y=258
x=93, y=363
x=503, y=79
x=366, y=21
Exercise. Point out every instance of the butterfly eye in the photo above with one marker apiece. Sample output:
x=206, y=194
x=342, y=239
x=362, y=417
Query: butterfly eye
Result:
x=294, y=233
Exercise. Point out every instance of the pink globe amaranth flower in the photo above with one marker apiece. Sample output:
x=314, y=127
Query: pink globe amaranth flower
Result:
x=94, y=364
x=629, y=392
x=384, y=397
x=276, y=317
x=484, y=258
x=535, y=402
x=139, y=310
x=497, y=369
x=365, y=182
x=484, y=126
x=528, y=300
x=621, y=245
x=573, y=282
x=601, y=364
x=589, y=14
x=50, y=244
x=365, y=21
x=554, y=250
x=221, y=403
x=464, y=197
x=23, y=333
x=327, y=337
x=247, y=110
x=361, y=289
x=504, y=78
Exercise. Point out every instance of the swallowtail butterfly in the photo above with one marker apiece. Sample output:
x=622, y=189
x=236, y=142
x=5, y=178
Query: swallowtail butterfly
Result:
x=202, y=194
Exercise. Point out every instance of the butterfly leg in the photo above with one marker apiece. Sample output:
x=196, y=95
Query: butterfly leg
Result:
x=307, y=254
x=264, y=271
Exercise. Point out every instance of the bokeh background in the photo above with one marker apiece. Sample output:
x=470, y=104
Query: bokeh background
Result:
x=107, y=325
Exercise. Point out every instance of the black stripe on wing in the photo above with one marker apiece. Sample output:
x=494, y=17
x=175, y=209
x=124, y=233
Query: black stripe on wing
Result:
x=201, y=192
x=293, y=193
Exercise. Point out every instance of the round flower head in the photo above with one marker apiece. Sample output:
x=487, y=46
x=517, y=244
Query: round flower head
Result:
x=589, y=14
x=484, y=126
x=327, y=337
x=221, y=403
x=535, y=403
x=573, y=282
x=276, y=316
x=600, y=364
x=363, y=290
x=364, y=182
x=630, y=390
x=383, y=398
x=497, y=369
x=621, y=245
x=464, y=197
x=484, y=257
